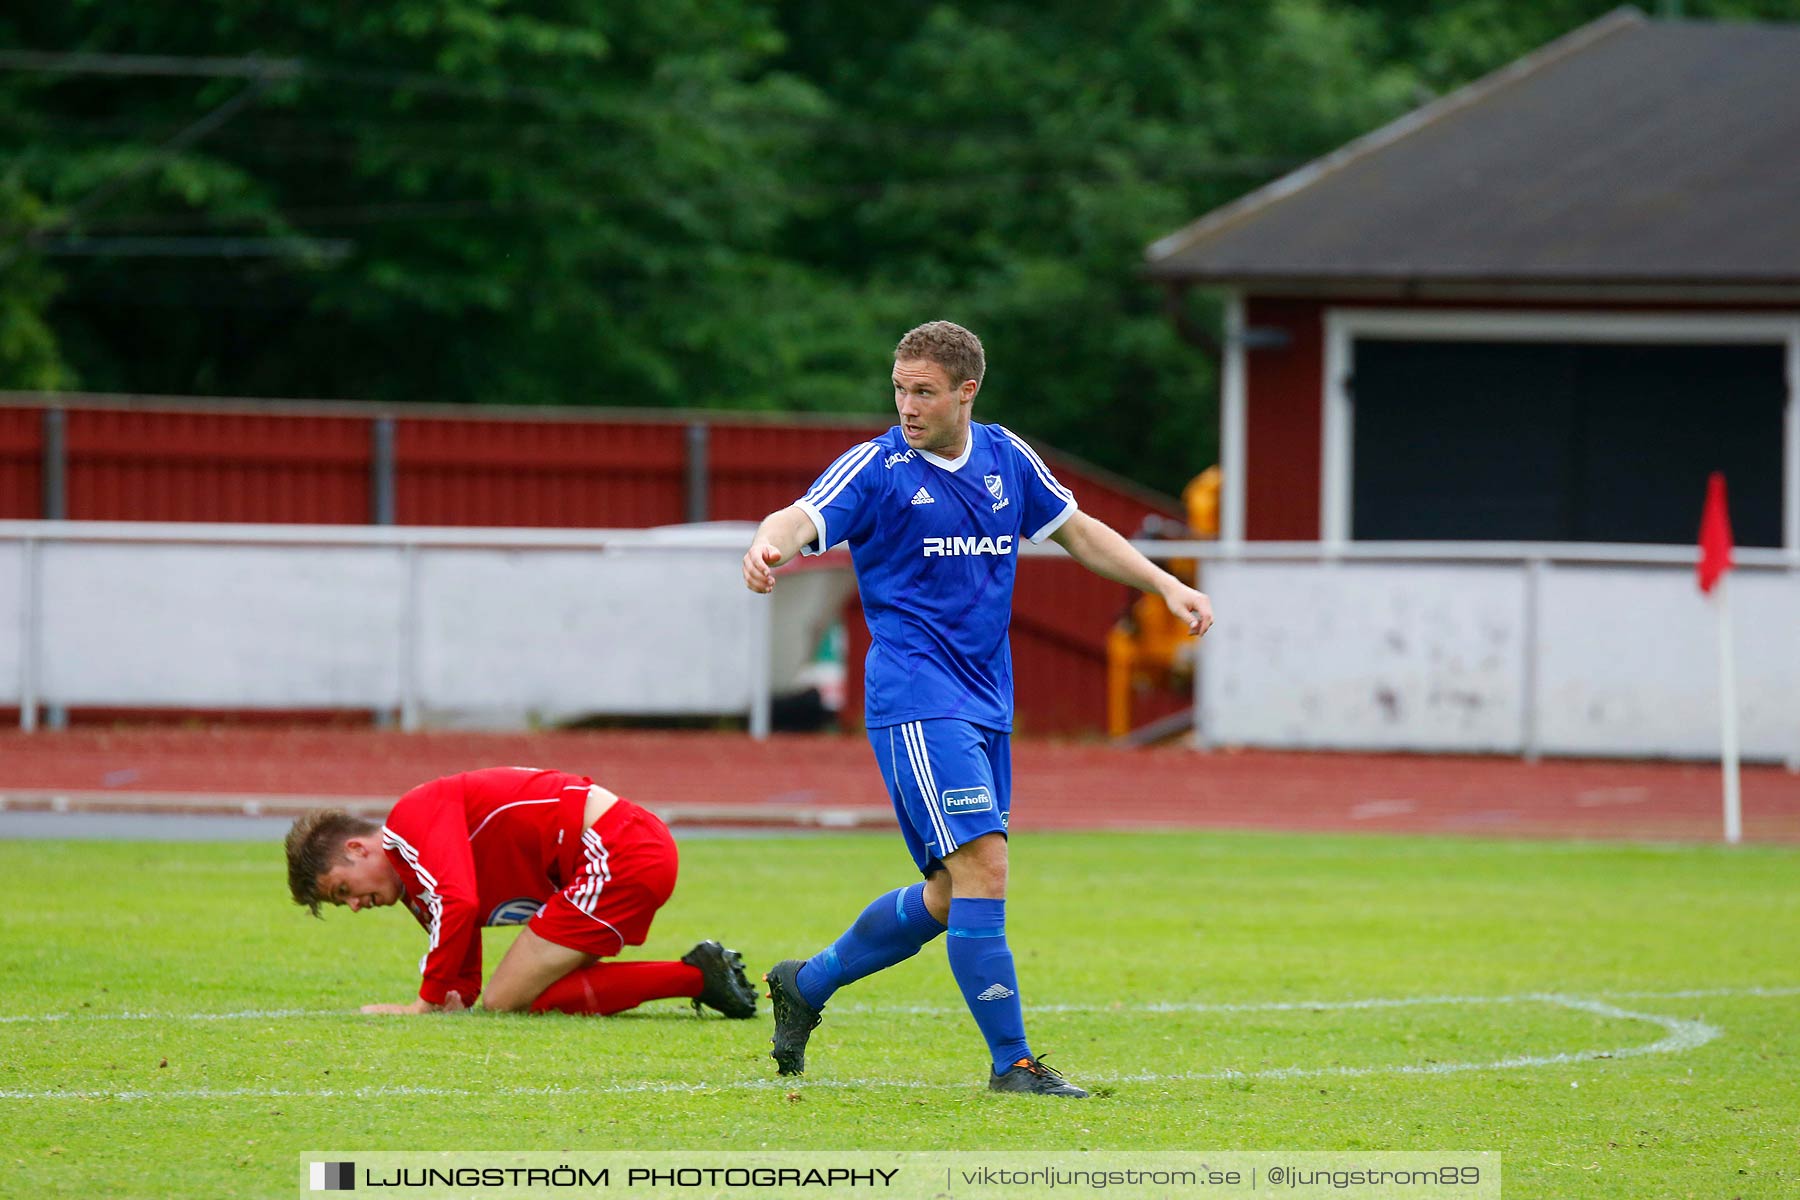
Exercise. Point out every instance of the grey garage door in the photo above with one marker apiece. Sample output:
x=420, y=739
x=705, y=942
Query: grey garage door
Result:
x=1535, y=441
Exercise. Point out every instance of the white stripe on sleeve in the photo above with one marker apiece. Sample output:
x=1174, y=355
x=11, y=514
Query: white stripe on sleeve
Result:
x=1055, y=523
x=434, y=903
x=1037, y=464
x=839, y=473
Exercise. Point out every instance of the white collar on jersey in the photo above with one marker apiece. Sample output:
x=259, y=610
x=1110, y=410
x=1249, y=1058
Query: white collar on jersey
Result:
x=952, y=464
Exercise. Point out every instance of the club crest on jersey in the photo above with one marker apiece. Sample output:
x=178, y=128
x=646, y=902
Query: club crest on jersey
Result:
x=993, y=486
x=514, y=912
x=954, y=547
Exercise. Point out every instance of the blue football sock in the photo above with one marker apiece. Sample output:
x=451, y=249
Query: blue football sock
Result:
x=891, y=930
x=983, y=965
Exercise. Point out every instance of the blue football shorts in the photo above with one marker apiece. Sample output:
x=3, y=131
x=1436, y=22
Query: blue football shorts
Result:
x=951, y=782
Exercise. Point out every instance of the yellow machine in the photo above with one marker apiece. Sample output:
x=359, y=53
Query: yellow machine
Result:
x=1149, y=647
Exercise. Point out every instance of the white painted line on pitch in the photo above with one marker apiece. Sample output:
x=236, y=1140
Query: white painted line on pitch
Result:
x=1681, y=1035
x=938, y=1010
x=246, y=1015
x=930, y=1010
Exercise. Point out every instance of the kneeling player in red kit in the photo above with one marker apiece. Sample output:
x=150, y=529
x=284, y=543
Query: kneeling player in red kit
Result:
x=582, y=869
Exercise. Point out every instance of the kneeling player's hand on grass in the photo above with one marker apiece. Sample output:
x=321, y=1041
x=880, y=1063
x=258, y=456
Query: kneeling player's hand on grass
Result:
x=453, y=1002
x=400, y=1010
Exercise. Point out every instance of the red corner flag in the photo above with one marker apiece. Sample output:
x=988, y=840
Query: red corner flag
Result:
x=1715, y=534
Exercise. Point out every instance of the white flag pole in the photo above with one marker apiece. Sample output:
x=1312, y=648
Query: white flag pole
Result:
x=1728, y=718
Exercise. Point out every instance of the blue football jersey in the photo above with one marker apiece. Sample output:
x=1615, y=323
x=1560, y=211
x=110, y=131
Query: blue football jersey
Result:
x=935, y=543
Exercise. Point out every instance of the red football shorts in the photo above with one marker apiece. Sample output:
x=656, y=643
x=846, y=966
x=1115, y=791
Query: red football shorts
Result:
x=624, y=870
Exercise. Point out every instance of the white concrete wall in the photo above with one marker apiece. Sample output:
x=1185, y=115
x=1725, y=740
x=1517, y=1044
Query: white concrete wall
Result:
x=1594, y=658
x=1630, y=663
x=1597, y=650
x=12, y=618
x=570, y=632
x=219, y=626
x=472, y=626
x=1361, y=655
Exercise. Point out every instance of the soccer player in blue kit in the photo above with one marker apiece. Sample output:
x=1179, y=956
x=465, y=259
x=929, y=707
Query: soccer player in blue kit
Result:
x=934, y=511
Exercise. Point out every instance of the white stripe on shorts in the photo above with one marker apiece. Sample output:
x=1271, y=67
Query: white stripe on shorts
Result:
x=914, y=733
x=588, y=894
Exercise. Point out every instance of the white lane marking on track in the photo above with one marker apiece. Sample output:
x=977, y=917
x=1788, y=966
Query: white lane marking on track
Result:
x=1370, y=809
x=1682, y=1035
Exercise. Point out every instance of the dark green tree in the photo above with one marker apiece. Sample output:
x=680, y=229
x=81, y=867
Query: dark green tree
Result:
x=723, y=203
x=1005, y=166
x=432, y=199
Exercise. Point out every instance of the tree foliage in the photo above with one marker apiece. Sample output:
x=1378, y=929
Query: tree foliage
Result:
x=721, y=203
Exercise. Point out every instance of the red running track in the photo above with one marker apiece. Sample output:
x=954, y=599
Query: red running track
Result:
x=1056, y=785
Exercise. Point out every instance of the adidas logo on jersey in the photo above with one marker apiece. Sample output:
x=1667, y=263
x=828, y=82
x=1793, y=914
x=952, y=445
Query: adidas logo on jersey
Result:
x=996, y=991
x=922, y=497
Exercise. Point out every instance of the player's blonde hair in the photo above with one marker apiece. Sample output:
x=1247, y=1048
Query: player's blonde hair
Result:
x=315, y=844
x=948, y=345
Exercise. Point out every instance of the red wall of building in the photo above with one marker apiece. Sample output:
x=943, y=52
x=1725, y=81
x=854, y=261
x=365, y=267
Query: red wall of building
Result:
x=1284, y=422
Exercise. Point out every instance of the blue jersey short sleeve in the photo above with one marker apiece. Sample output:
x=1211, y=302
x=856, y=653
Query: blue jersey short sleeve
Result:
x=935, y=544
x=1047, y=503
x=839, y=501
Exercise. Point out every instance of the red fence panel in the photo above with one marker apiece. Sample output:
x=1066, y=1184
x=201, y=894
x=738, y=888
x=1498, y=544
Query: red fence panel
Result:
x=21, y=457
x=574, y=474
x=756, y=469
x=128, y=465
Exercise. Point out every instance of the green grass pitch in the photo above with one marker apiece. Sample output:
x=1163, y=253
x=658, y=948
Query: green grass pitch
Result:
x=1616, y=1020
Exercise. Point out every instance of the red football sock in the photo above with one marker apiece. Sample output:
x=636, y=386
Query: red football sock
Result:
x=611, y=987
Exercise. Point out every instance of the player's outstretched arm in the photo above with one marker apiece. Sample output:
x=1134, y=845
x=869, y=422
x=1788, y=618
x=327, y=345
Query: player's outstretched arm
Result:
x=1099, y=547
x=780, y=536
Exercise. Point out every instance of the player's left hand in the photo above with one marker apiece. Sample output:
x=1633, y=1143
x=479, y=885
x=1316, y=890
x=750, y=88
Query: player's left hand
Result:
x=760, y=562
x=1194, y=608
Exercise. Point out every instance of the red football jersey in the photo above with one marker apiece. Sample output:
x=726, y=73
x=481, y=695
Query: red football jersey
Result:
x=481, y=848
